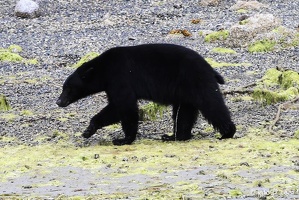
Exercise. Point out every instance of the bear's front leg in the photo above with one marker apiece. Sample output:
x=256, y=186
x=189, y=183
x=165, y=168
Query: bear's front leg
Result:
x=129, y=124
x=106, y=117
x=129, y=120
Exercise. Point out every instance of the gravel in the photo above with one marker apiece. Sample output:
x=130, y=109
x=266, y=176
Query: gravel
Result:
x=67, y=30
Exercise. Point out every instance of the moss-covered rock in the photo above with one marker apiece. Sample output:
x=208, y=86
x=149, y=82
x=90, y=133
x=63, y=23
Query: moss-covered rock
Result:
x=4, y=106
x=276, y=86
x=272, y=77
x=289, y=79
x=89, y=56
x=262, y=46
x=277, y=39
x=269, y=96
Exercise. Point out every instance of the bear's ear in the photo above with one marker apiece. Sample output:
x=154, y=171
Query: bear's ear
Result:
x=87, y=74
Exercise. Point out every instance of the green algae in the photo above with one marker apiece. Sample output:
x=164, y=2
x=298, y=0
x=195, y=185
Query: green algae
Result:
x=143, y=158
x=276, y=86
x=223, y=50
x=269, y=97
x=152, y=158
x=8, y=116
x=89, y=56
x=217, y=35
x=4, y=106
x=235, y=193
x=243, y=22
x=242, y=10
x=15, y=48
x=10, y=57
x=11, y=54
x=262, y=46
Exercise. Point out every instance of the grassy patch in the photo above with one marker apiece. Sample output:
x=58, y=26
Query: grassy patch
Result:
x=216, y=64
x=223, y=50
x=151, y=111
x=217, y=35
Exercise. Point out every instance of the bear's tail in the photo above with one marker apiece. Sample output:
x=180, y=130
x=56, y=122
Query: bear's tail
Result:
x=219, y=78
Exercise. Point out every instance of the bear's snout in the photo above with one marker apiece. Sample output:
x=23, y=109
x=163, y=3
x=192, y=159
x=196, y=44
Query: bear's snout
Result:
x=61, y=103
x=58, y=102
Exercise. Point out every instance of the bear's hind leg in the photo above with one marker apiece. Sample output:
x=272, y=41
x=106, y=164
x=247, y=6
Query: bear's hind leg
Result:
x=105, y=117
x=184, y=116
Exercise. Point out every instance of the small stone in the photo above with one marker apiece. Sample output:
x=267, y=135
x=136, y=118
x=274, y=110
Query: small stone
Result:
x=209, y=2
x=96, y=156
x=27, y=9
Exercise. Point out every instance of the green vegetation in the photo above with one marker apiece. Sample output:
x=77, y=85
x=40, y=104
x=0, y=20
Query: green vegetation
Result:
x=242, y=10
x=8, y=116
x=262, y=46
x=86, y=58
x=223, y=50
x=113, y=127
x=216, y=64
x=11, y=55
x=15, y=48
x=4, y=106
x=151, y=111
x=269, y=97
x=155, y=160
x=243, y=22
x=235, y=193
x=217, y=35
x=277, y=86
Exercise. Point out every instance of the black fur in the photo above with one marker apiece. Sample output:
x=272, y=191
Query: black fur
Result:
x=163, y=73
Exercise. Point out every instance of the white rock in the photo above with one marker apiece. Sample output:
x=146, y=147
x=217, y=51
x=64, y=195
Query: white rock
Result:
x=247, y=5
x=27, y=9
x=241, y=35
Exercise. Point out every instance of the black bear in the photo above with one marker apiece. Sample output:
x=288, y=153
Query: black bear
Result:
x=164, y=73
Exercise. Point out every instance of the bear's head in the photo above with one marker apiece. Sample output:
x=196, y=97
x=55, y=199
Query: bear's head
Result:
x=81, y=83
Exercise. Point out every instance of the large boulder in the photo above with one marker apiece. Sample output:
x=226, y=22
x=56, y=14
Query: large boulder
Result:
x=27, y=9
x=241, y=34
